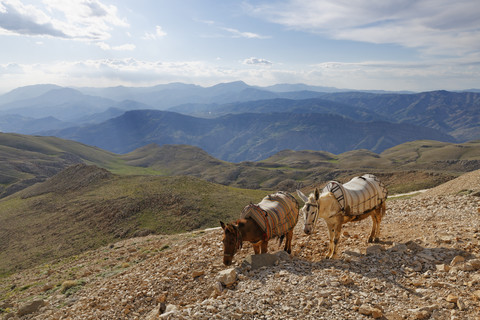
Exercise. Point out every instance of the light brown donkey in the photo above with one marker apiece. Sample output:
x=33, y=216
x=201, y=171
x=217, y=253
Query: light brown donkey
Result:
x=360, y=198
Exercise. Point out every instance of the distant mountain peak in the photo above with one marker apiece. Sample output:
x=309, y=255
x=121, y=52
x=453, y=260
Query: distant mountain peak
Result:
x=234, y=84
x=27, y=92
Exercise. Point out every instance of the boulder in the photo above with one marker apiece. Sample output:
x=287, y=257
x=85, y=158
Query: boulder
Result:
x=370, y=311
x=375, y=249
x=30, y=307
x=227, y=277
x=474, y=263
x=257, y=261
x=442, y=267
x=399, y=247
x=457, y=260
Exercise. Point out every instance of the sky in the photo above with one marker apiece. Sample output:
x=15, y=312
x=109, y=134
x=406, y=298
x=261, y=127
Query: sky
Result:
x=415, y=45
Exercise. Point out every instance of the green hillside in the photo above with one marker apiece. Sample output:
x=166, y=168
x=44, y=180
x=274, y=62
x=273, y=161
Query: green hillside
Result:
x=26, y=160
x=30, y=159
x=85, y=207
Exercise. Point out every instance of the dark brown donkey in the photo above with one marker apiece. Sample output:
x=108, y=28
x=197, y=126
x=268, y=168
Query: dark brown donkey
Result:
x=275, y=216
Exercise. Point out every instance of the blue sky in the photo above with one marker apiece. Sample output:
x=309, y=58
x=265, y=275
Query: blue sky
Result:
x=416, y=45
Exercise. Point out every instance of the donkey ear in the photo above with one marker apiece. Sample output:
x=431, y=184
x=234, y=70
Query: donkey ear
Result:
x=222, y=224
x=317, y=194
x=302, y=196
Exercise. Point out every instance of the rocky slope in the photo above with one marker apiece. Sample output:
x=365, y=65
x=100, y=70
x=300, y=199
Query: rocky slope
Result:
x=425, y=267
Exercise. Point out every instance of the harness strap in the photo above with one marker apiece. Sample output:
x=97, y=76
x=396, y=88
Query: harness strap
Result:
x=239, y=239
x=269, y=227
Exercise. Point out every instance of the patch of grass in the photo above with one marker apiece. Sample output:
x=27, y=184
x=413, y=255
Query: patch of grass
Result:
x=25, y=287
x=69, y=287
x=465, y=192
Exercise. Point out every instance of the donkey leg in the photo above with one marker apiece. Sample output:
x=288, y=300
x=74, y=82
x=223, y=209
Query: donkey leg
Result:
x=337, y=234
x=256, y=247
x=331, y=235
x=288, y=242
x=264, y=246
x=374, y=215
x=380, y=213
x=377, y=229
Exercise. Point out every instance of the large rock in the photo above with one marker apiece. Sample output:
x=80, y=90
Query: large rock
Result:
x=375, y=249
x=257, y=261
x=474, y=264
x=227, y=277
x=30, y=307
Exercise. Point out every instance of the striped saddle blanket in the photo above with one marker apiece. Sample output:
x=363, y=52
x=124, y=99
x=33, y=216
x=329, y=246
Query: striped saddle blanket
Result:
x=276, y=214
x=359, y=195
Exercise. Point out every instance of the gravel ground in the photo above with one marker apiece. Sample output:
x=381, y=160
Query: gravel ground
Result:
x=425, y=267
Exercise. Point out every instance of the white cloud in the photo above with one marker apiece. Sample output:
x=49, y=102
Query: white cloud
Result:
x=234, y=33
x=436, y=27
x=159, y=33
x=17, y=18
x=124, y=47
x=239, y=34
x=74, y=19
x=257, y=61
x=133, y=72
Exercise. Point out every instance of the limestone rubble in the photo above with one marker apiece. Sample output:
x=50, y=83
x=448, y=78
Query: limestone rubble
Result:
x=425, y=267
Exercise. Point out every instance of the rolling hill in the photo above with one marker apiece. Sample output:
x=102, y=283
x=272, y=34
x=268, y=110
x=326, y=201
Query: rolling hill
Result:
x=27, y=160
x=84, y=207
x=30, y=159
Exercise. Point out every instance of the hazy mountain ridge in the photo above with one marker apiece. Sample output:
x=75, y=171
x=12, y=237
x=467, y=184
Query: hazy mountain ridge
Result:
x=311, y=105
x=27, y=92
x=247, y=136
x=455, y=114
x=28, y=125
x=65, y=104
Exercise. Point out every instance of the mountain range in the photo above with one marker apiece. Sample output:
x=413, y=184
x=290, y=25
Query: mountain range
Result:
x=237, y=122
x=247, y=136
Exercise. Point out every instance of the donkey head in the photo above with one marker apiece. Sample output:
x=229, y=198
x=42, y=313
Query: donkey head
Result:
x=310, y=209
x=232, y=241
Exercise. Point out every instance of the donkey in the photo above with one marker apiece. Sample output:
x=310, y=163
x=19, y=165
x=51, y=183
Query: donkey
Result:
x=360, y=198
x=275, y=216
